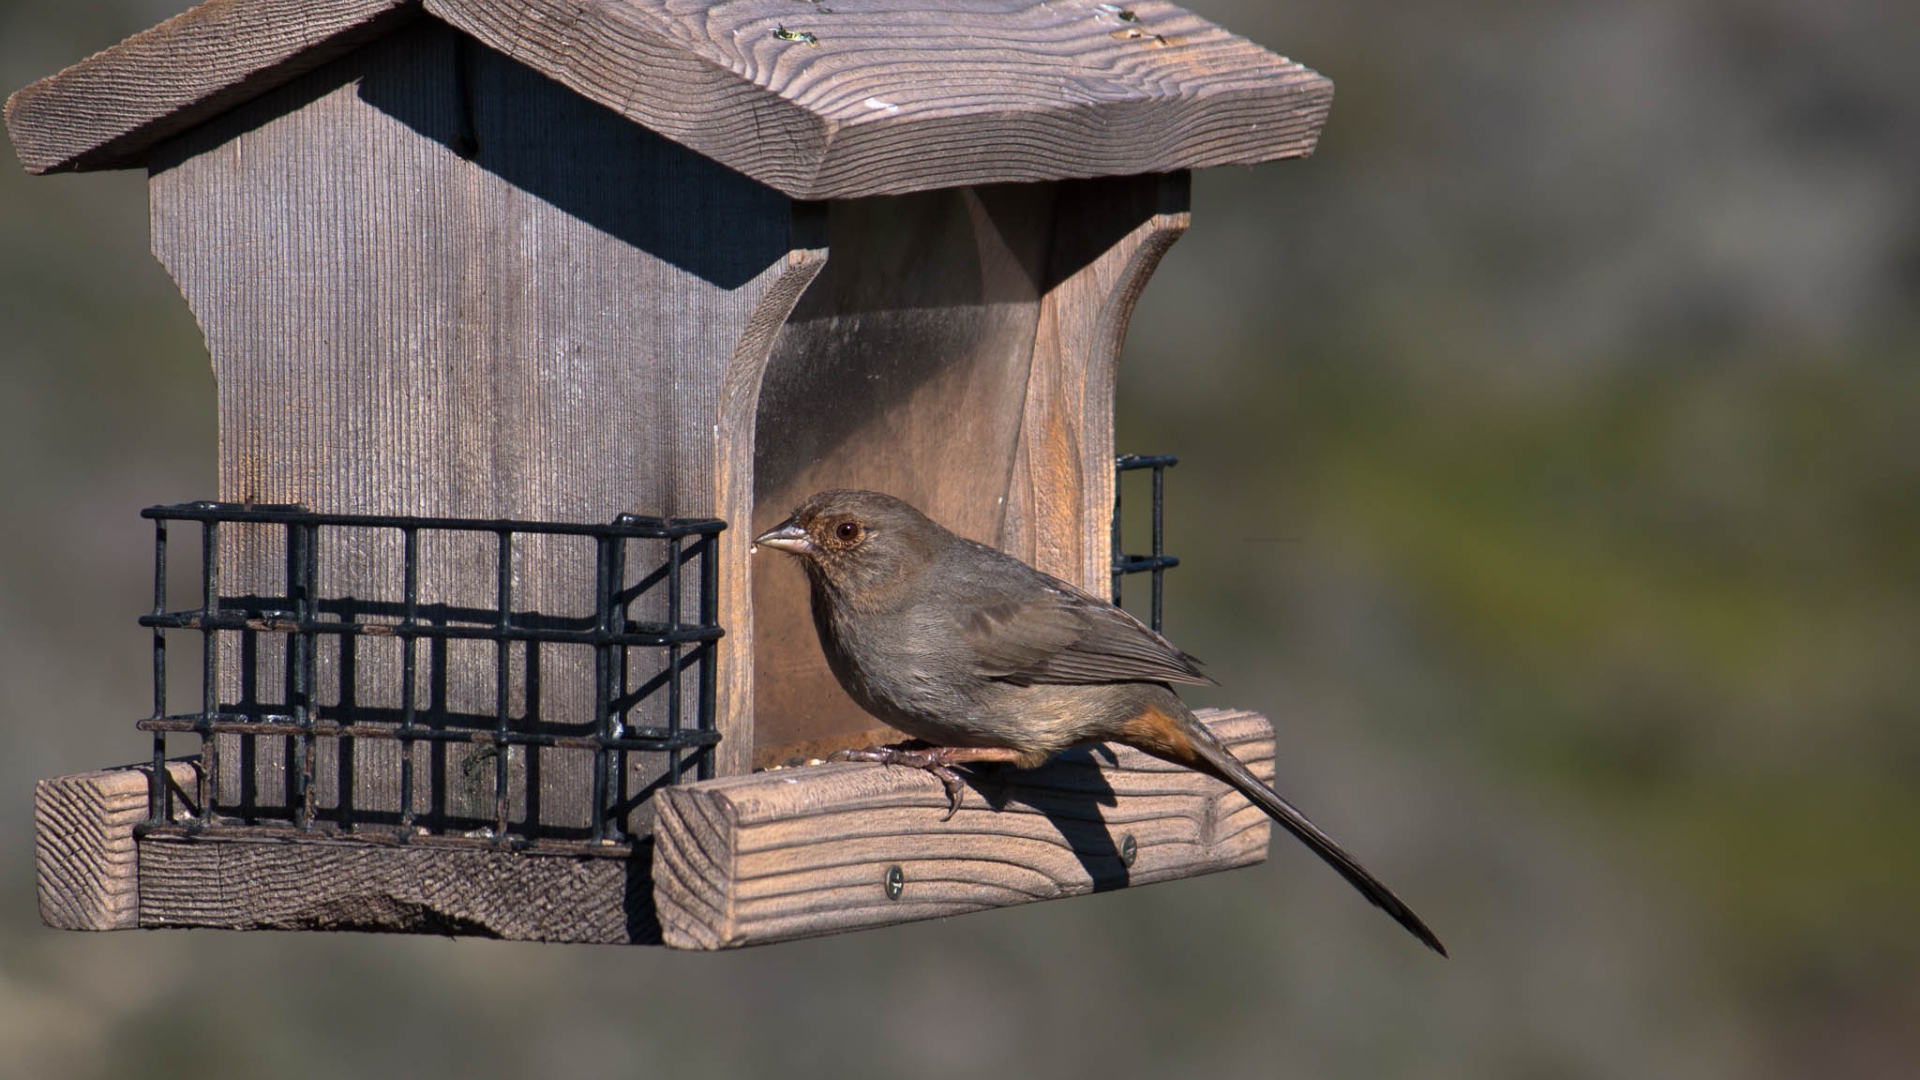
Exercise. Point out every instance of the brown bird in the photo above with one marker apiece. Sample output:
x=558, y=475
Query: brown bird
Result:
x=989, y=660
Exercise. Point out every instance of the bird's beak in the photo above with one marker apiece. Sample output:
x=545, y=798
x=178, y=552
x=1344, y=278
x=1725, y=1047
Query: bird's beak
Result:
x=787, y=537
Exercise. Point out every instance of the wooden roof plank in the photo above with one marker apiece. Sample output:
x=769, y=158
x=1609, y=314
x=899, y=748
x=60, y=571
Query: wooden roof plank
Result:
x=106, y=111
x=862, y=97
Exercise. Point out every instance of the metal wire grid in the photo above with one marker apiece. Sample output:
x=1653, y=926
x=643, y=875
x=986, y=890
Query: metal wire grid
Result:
x=612, y=634
x=1159, y=562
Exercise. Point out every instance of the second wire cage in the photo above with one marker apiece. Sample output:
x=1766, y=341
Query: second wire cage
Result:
x=1157, y=562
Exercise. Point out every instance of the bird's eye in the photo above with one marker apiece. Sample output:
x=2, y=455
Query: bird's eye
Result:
x=847, y=531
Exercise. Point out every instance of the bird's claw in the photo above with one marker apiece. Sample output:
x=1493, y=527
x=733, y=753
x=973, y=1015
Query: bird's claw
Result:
x=954, y=788
x=931, y=760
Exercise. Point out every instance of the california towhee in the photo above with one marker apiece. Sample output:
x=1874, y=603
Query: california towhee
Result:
x=988, y=659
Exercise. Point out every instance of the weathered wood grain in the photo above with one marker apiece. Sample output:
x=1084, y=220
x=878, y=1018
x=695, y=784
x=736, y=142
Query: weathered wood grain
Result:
x=433, y=281
x=85, y=862
x=109, y=110
x=862, y=97
x=417, y=889
x=1108, y=238
x=802, y=852
x=734, y=452
x=899, y=96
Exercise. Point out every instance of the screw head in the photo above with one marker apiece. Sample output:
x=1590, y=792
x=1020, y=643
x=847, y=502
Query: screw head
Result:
x=896, y=882
x=1129, y=850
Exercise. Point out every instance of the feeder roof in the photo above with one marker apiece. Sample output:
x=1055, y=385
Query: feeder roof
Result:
x=817, y=98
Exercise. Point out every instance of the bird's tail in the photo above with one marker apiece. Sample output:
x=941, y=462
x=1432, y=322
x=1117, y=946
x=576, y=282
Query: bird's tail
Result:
x=1204, y=752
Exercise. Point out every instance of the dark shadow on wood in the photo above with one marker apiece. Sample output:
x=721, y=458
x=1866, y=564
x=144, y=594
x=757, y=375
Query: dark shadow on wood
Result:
x=643, y=922
x=581, y=157
x=1068, y=790
x=1094, y=215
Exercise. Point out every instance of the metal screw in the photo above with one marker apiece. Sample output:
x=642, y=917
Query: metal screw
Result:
x=895, y=882
x=1129, y=850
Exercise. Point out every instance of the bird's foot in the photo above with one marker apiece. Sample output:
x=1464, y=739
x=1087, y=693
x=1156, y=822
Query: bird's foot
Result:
x=932, y=759
x=938, y=760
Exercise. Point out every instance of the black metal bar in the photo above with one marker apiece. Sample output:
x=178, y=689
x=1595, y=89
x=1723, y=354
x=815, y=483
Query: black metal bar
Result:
x=1135, y=564
x=157, y=778
x=290, y=668
x=209, y=662
x=604, y=588
x=652, y=635
x=616, y=725
x=673, y=655
x=627, y=525
x=1159, y=562
x=1159, y=538
x=409, y=672
x=310, y=659
x=643, y=740
x=302, y=563
x=502, y=681
x=709, y=616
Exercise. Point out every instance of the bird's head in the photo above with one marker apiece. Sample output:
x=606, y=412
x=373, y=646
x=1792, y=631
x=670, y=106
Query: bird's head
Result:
x=856, y=542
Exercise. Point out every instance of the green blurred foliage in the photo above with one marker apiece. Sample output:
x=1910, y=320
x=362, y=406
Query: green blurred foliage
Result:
x=1551, y=476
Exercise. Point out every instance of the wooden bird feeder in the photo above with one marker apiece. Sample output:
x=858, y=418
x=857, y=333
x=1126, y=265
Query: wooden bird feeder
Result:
x=480, y=280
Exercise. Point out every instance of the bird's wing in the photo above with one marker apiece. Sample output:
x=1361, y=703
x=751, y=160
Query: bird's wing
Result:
x=1055, y=633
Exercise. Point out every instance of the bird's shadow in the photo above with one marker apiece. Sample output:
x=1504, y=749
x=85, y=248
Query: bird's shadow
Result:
x=1069, y=790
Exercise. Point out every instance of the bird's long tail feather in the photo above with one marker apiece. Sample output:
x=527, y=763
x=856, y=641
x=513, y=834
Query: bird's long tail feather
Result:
x=1213, y=758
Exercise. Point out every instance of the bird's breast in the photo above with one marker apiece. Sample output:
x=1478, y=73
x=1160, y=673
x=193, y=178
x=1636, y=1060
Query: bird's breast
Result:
x=895, y=665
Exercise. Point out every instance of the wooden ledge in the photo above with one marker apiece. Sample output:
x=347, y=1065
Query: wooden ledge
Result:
x=741, y=861
x=803, y=852
x=85, y=862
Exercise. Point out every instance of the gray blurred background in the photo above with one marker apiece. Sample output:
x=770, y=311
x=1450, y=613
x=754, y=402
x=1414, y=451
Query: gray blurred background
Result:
x=1551, y=477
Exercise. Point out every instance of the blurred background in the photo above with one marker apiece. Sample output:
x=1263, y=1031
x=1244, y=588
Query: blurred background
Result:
x=1550, y=475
